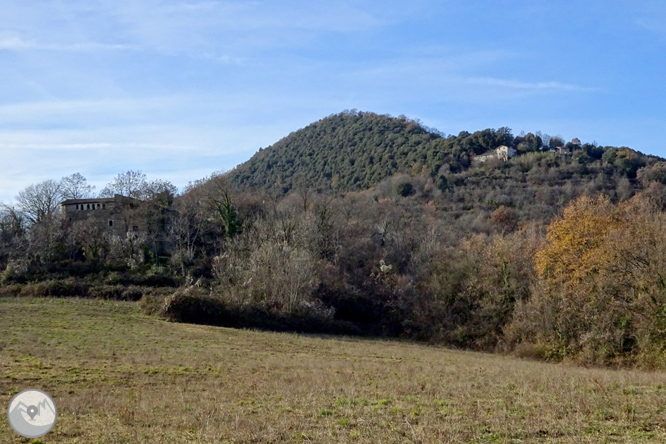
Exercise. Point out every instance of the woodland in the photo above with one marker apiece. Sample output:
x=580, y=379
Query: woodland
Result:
x=367, y=224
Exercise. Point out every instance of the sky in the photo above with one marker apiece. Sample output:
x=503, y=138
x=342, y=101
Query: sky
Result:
x=182, y=89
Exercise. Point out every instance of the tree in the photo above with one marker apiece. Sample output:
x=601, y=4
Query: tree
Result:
x=442, y=183
x=654, y=173
x=505, y=218
x=13, y=228
x=161, y=192
x=186, y=229
x=600, y=294
x=555, y=142
x=76, y=187
x=219, y=199
x=12, y=222
x=504, y=136
x=129, y=184
x=627, y=161
x=545, y=138
x=404, y=189
x=40, y=202
x=570, y=252
x=305, y=192
x=156, y=210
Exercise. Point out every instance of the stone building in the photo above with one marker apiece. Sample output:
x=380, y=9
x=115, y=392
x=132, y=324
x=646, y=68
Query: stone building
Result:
x=118, y=214
x=502, y=153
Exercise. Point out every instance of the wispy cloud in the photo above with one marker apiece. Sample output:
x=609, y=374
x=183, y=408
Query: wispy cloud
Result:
x=653, y=24
x=454, y=76
x=14, y=43
x=171, y=153
x=17, y=43
x=544, y=86
x=85, y=109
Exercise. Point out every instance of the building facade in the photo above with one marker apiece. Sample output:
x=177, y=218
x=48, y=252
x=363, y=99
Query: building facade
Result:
x=118, y=214
x=501, y=153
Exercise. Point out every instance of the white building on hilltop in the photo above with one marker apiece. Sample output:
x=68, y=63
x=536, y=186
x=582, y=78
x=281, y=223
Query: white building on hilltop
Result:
x=502, y=153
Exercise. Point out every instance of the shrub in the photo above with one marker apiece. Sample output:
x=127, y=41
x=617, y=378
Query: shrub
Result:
x=197, y=306
x=55, y=287
x=115, y=292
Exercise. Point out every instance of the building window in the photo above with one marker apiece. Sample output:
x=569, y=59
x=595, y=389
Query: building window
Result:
x=135, y=228
x=77, y=206
x=110, y=223
x=103, y=206
x=88, y=206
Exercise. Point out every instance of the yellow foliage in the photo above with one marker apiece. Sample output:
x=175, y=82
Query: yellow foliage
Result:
x=571, y=251
x=601, y=296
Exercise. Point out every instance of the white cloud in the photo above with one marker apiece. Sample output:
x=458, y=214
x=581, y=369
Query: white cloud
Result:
x=522, y=85
x=14, y=43
x=653, y=24
x=171, y=151
x=227, y=31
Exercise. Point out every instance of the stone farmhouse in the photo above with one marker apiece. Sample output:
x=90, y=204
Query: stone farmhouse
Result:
x=117, y=214
x=502, y=153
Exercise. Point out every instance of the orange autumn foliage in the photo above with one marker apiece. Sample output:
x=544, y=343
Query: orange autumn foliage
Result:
x=571, y=251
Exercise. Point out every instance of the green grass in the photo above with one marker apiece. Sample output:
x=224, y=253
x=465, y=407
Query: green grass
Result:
x=118, y=376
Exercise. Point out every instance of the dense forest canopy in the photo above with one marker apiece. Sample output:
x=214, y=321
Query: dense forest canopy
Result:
x=352, y=151
x=368, y=224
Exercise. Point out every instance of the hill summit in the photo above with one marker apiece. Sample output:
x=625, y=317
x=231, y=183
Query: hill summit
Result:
x=347, y=151
x=461, y=174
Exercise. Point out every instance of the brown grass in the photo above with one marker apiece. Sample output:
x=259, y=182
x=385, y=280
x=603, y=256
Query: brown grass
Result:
x=118, y=376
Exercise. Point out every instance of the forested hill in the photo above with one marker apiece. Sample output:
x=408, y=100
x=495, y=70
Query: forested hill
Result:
x=353, y=151
x=369, y=224
x=347, y=151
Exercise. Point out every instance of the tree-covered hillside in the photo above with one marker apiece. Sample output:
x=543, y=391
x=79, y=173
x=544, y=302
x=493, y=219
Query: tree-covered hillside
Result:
x=347, y=151
x=368, y=224
x=353, y=151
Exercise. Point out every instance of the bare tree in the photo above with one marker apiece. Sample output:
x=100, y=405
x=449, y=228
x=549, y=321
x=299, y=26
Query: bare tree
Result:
x=129, y=184
x=305, y=192
x=40, y=202
x=76, y=187
x=161, y=192
x=186, y=229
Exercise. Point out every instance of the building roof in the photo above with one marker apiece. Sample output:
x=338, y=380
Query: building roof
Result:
x=95, y=200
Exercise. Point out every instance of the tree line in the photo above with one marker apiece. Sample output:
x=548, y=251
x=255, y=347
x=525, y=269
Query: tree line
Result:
x=546, y=255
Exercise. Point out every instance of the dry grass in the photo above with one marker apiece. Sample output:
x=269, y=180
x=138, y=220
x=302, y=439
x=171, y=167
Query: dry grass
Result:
x=118, y=376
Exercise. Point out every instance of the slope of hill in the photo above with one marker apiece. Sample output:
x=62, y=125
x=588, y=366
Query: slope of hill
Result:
x=347, y=151
x=412, y=236
x=355, y=151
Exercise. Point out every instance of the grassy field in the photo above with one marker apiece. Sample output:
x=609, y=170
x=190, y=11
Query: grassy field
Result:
x=118, y=376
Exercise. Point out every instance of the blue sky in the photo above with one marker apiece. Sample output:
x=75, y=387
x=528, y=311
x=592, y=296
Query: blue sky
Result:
x=179, y=89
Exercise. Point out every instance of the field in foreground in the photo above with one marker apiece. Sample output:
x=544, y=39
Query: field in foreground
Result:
x=118, y=376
